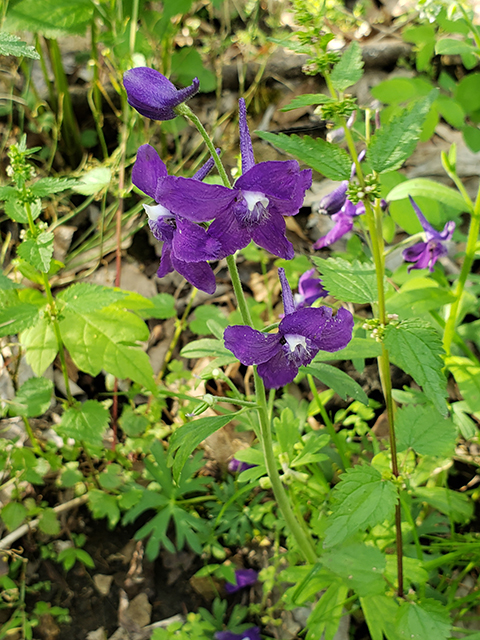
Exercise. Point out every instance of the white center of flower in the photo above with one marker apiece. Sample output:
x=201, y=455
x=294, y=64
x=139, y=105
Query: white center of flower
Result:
x=294, y=340
x=157, y=211
x=253, y=198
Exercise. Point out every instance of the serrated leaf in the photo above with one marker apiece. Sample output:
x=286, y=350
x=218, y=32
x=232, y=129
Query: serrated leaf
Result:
x=15, y=210
x=467, y=377
x=395, y=141
x=40, y=345
x=11, y=45
x=416, y=347
x=357, y=348
x=13, y=514
x=93, y=181
x=426, y=431
x=205, y=347
x=187, y=438
x=428, y=189
x=362, y=499
x=360, y=567
x=38, y=251
x=326, y=158
x=33, y=398
x=339, y=381
x=351, y=282
x=325, y=618
x=349, y=69
x=380, y=612
x=51, y=18
x=49, y=186
x=84, y=297
x=162, y=306
x=412, y=302
x=49, y=523
x=85, y=422
x=418, y=621
x=456, y=506
x=306, y=100
x=103, y=505
x=106, y=340
x=16, y=318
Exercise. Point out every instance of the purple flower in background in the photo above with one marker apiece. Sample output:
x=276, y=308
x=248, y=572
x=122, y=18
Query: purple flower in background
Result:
x=301, y=335
x=333, y=201
x=153, y=95
x=244, y=578
x=186, y=246
x=310, y=288
x=425, y=254
x=343, y=224
x=236, y=466
x=249, y=634
x=253, y=209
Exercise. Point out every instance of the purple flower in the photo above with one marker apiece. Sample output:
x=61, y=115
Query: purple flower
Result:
x=236, y=466
x=253, y=209
x=310, y=288
x=249, y=634
x=152, y=95
x=425, y=254
x=186, y=245
x=333, y=201
x=243, y=578
x=343, y=224
x=301, y=335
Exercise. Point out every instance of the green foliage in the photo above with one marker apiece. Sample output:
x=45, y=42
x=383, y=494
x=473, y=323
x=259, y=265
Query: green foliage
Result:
x=33, y=398
x=352, y=282
x=85, y=422
x=322, y=156
x=13, y=514
x=427, y=619
x=467, y=377
x=52, y=18
x=306, y=100
x=428, y=189
x=457, y=506
x=416, y=347
x=93, y=181
x=349, y=69
x=361, y=499
x=395, y=141
x=11, y=45
x=38, y=250
x=360, y=567
x=425, y=430
x=339, y=381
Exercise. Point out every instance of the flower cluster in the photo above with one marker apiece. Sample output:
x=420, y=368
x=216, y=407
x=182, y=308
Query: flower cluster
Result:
x=200, y=222
x=301, y=335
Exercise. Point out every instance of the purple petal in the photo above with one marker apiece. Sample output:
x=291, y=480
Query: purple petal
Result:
x=236, y=466
x=228, y=232
x=153, y=95
x=246, y=148
x=334, y=201
x=288, y=304
x=310, y=288
x=448, y=230
x=271, y=236
x=431, y=233
x=251, y=346
x=424, y=254
x=191, y=242
x=147, y=170
x=244, y=578
x=192, y=199
x=199, y=274
x=327, y=332
x=278, y=371
x=204, y=170
x=343, y=224
x=249, y=634
x=165, y=261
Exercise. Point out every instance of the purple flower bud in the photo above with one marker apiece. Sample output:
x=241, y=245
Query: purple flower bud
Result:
x=243, y=578
x=334, y=201
x=236, y=466
x=153, y=95
x=249, y=634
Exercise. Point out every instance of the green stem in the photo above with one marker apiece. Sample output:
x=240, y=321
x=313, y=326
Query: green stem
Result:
x=470, y=249
x=459, y=341
x=337, y=441
x=35, y=445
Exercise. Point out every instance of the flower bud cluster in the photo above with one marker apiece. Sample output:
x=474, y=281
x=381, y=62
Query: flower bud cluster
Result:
x=377, y=328
x=369, y=191
x=333, y=110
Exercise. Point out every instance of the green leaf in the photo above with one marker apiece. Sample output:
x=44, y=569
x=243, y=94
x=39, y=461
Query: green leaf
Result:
x=467, y=92
x=15, y=210
x=49, y=186
x=17, y=317
x=426, y=431
x=13, y=514
x=416, y=348
x=106, y=340
x=457, y=506
x=357, y=348
x=85, y=422
x=38, y=251
x=349, y=69
x=339, y=381
x=187, y=438
x=84, y=297
x=40, y=345
x=380, y=612
x=351, y=282
x=11, y=45
x=33, y=398
x=162, y=307
x=395, y=91
x=414, y=302
x=360, y=567
x=326, y=158
x=306, y=100
x=428, y=189
x=132, y=423
x=93, y=181
x=471, y=135
x=362, y=499
x=205, y=347
x=451, y=47
x=186, y=64
x=103, y=505
x=395, y=141
x=325, y=618
x=111, y=477
x=51, y=18
x=203, y=314
x=49, y=523
x=467, y=377
x=429, y=619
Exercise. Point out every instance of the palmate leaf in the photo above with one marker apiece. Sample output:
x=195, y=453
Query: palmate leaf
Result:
x=427, y=619
x=395, y=141
x=362, y=499
x=349, y=69
x=425, y=430
x=326, y=158
x=415, y=347
x=351, y=282
x=11, y=45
